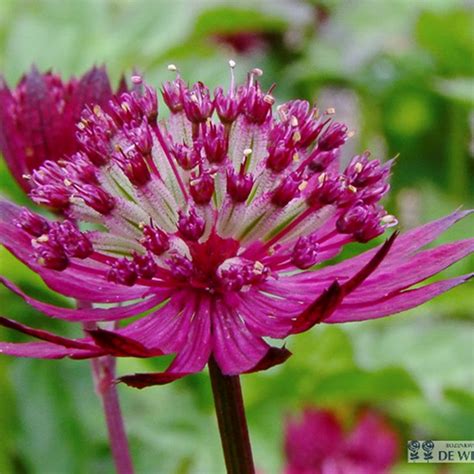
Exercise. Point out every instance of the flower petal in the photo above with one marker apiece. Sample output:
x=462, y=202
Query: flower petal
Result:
x=120, y=346
x=235, y=348
x=46, y=335
x=91, y=314
x=395, y=303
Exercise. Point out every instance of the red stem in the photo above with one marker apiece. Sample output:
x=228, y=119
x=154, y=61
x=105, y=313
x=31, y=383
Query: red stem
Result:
x=103, y=372
x=230, y=414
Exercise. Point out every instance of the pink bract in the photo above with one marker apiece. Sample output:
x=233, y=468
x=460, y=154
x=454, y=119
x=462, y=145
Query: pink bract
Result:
x=38, y=118
x=317, y=444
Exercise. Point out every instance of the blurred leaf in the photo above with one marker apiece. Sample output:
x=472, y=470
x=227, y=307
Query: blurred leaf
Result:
x=448, y=37
x=360, y=386
x=227, y=19
x=459, y=89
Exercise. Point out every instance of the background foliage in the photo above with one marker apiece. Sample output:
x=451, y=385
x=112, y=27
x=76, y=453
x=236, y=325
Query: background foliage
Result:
x=401, y=74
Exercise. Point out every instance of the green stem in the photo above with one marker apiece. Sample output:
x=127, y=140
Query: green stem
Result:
x=230, y=414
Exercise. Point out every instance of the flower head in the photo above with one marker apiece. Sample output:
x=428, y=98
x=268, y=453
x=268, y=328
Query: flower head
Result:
x=212, y=222
x=317, y=444
x=38, y=118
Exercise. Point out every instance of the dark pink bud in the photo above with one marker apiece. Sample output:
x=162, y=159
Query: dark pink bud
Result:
x=96, y=198
x=187, y=158
x=307, y=128
x=197, y=103
x=280, y=156
x=173, y=94
x=123, y=272
x=51, y=256
x=305, y=252
x=232, y=278
x=365, y=222
x=149, y=104
x=55, y=196
x=229, y=106
x=134, y=165
x=202, y=188
x=322, y=160
x=353, y=219
x=78, y=167
x=145, y=265
x=74, y=242
x=286, y=190
x=48, y=173
x=142, y=138
x=239, y=185
x=333, y=137
x=326, y=189
x=363, y=172
x=257, y=105
x=32, y=223
x=369, y=231
x=155, y=240
x=181, y=267
x=191, y=226
x=37, y=119
x=214, y=143
x=125, y=109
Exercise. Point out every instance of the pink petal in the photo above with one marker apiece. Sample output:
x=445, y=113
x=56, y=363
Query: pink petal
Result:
x=148, y=380
x=46, y=335
x=197, y=348
x=84, y=315
x=395, y=303
x=406, y=273
x=41, y=350
x=120, y=346
x=235, y=348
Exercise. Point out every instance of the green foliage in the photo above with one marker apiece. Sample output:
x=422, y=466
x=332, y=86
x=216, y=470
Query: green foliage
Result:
x=409, y=66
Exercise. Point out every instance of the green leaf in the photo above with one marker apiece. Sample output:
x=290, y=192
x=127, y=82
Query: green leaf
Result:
x=227, y=19
x=357, y=385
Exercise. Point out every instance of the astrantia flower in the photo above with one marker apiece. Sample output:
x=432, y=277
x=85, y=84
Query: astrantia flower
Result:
x=317, y=444
x=214, y=223
x=38, y=118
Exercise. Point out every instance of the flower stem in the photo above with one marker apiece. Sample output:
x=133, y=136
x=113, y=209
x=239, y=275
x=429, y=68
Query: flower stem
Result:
x=230, y=414
x=103, y=373
x=103, y=370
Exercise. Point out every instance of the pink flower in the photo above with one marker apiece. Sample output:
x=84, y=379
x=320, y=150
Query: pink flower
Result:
x=38, y=118
x=317, y=444
x=216, y=229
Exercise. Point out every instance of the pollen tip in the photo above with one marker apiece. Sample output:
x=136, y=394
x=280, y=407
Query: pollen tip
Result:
x=247, y=152
x=172, y=68
x=232, y=63
x=330, y=111
x=303, y=185
x=256, y=72
x=137, y=79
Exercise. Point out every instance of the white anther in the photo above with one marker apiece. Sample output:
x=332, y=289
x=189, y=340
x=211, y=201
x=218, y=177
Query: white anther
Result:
x=303, y=185
x=172, y=68
x=389, y=220
x=358, y=167
x=232, y=63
